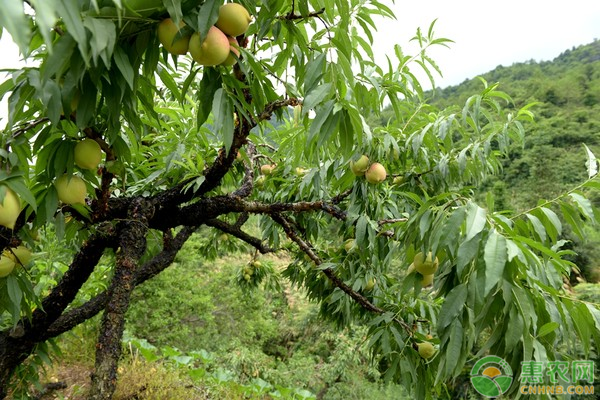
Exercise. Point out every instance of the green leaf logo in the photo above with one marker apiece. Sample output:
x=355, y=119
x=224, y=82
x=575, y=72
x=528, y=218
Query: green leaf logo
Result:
x=491, y=376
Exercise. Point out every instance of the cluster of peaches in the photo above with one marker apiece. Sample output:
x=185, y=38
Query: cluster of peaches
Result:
x=219, y=45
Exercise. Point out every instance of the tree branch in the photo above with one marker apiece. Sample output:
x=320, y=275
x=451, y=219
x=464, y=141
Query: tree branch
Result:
x=150, y=269
x=234, y=230
x=293, y=16
x=272, y=107
x=132, y=244
x=329, y=273
x=65, y=291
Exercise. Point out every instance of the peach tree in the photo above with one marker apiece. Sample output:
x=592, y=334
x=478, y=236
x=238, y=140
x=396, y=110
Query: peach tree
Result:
x=201, y=126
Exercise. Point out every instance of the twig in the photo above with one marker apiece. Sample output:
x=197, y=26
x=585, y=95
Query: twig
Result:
x=391, y=221
x=293, y=16
x=29, y=126
x=273, y=106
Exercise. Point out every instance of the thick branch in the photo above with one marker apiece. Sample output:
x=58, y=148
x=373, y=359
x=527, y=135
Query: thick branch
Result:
x=153, y=267
x=65, y=291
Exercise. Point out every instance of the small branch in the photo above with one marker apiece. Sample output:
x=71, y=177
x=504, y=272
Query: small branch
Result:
x=306, y=248
x=245, y=189
x=391, y=221
x=238, y=233
x=340, y=197
x=272, y=107
x=29, y=126
x=291, y=16
x=241, y=220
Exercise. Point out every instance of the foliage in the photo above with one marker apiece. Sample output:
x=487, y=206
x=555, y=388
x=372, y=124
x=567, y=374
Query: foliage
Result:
x=566, y=96
x=301, y=96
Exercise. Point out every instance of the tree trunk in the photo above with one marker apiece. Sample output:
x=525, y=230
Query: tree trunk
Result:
x=132, y=244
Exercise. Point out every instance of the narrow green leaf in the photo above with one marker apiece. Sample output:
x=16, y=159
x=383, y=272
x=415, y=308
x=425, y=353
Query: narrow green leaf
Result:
x=317, y=95
x=584, y=204
x=20, y=188
x=45, y=18
x=14, y=291
x=207, y=16
x=211, y=81
x=475, y=220
x=537, y=226
x=170, y=83
x=573, y=219
x=453, y=306
x=87, y=104
x=124, y=65
x=495, y=255
x=514, y=251
x=452, y=228
x=553, y=218
x=322, y=115
x=454, y=348
x=314, y=72
x=467, y=251
x=547, y=328
x=104, y=37
x=14, y=20
x=223, y=117
x=514, y=328
x=68, y=10
x=361, y=230
x=61, y=55
x=591, y=163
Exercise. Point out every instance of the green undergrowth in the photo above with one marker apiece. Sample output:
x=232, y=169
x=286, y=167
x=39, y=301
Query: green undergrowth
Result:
x=195, y=332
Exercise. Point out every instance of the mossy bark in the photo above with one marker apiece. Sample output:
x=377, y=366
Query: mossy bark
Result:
x=132, y=244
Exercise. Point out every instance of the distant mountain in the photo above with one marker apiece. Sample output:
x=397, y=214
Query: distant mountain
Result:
x=572, y=79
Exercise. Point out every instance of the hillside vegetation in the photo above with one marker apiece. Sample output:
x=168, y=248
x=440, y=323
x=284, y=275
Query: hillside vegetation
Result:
x=566, y=97
x=566, y=93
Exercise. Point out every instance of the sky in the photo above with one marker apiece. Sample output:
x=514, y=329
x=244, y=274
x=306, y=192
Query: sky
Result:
x=485, y=34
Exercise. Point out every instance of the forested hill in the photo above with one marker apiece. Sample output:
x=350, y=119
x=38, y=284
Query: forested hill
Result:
x=567, y=115
x=572, y=79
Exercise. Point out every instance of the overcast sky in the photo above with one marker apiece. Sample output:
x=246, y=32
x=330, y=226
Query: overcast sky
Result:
x=486, y=34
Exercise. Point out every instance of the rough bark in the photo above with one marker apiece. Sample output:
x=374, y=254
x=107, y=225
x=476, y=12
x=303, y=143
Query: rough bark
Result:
x=132, y=244
x=153, y=267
